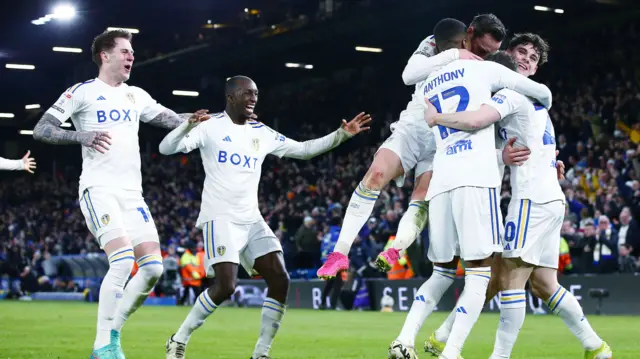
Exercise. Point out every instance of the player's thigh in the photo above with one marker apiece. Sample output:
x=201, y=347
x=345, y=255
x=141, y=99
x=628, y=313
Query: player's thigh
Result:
x=401, y=151
x=138, y=221
x=223, y=241
x=103, y=215
x=476, y=221
x=443, y=239
x=261, y=242
x=514, y=274
x=532, y=232
x=550, y=234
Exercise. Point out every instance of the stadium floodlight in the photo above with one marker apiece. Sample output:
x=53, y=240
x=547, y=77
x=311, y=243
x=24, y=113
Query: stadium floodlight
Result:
x=558, y=11
x=32, y=107
x=541, y=8
x=368, y=49
x=63, y=12
x=66, y=124
x=26, y=132
x=19, y=66
x=292, y=65
x=185, y=93
x=131, y=30
x=6, y=115
x=308, y=67
x=67, y=49
x=40, y=21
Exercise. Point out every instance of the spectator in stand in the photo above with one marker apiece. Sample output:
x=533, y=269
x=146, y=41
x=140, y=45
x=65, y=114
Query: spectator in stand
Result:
x=605, y=249
x=308, y=245
x=629, y=232
x=626, y=262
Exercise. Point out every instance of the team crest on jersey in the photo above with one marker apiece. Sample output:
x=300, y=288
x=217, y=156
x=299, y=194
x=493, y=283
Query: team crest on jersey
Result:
x=105, y=219
x=222, y=250
x=131, y=98
x=256, y=144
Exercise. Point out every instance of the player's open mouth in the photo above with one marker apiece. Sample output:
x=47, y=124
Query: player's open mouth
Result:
x=523, y=67
x=250, y=107
x=127, y=67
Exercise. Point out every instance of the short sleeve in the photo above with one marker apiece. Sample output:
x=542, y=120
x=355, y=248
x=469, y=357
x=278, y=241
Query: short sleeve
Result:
x=279, y=143
x=506, y=102
x=427, y=47
x=66, y=105
x=151, y=108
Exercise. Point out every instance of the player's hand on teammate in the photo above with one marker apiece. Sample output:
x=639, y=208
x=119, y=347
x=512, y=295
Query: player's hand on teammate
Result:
x=357, y=124
x=29, y=163
x=515, y=156
x=468, y=55
x=98, y=140
x=429, y=113
x=559, y=167
x=199, y=116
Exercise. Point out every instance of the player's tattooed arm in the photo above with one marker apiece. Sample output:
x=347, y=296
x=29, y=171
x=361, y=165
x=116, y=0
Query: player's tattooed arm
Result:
x=48, y=130
x=169, y=119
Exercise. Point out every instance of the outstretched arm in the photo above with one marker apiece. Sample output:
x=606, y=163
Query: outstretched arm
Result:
x=169, y=119
x=11, y=165
x=185, y=137
x=501, y=77
x=48, y=130
x=421, y=65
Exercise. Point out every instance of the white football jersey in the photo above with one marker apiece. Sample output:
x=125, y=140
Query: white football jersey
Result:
x=232, y=156
x=426, y=48
x=96, y=106
x=463, y=158
x=529, y=122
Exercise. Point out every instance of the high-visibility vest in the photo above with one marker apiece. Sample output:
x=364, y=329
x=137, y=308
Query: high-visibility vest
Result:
x=564, y=262
x=191, y=270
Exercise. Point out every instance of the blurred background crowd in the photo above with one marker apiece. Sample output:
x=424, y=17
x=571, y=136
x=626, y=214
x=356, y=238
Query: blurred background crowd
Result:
x=593, y=72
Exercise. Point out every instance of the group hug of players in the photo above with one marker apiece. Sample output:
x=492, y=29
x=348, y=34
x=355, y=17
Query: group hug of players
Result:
x=474, y=111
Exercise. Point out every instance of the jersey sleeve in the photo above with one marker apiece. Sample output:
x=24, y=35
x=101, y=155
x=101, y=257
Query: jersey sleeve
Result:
x=151, y=107
x=184, y=138
x=424, y=61
x=500, y=77
x=280, y=144
x=506, y=102
x=67, y=104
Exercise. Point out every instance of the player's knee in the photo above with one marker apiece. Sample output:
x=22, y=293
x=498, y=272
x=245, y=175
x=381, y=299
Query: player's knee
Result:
x=150, y=266
x=226, y=288
x=375, y=177
x=541, y=288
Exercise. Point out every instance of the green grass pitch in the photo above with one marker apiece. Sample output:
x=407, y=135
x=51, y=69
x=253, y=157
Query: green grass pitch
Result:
x=66, y=330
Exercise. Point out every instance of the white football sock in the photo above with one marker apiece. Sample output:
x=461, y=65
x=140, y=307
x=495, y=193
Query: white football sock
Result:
x=138, y=288
x=563, y=303
x=468, y=309
x=202, y=308
x=442, y=333
x=272, y=313
x=426, y=299
x=513, y=308
x=111, y=290
x=358, y=212
x=411, y=224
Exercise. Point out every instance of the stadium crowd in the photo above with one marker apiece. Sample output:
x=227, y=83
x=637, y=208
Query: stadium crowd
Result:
x=596, y=115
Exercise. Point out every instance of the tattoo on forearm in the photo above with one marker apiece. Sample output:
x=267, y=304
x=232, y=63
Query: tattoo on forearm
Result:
x=169, y=119
x=48, y=130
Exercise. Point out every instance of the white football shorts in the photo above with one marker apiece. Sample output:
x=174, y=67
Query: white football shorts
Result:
x=225, y=241
x=532, y=232
x=111, y=213
x=409, y=140
x=464, y=222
